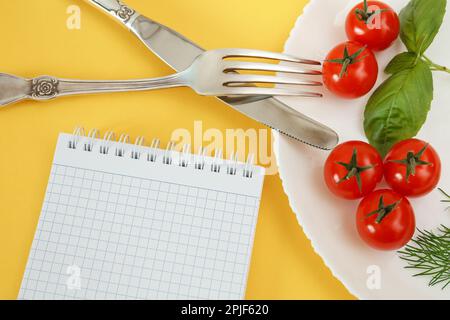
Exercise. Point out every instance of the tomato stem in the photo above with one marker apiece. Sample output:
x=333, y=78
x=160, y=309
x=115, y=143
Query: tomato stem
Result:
x=345, y=65
x=383, y=211
x=353, y=170
x=413, y=160
x=348, y=59
x=365, y=15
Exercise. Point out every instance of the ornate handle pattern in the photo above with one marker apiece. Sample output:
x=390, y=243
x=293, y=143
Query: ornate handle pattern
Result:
x=47, y=87
x=13, y=88
x=116, y=9
x=44, y=88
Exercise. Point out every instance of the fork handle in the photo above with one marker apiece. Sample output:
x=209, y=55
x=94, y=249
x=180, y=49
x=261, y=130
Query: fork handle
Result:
x=118, y=10
x=47, y=87
x=13, y=88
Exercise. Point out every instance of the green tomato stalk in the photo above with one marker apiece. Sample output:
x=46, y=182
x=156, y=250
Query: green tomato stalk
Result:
x=366, y=15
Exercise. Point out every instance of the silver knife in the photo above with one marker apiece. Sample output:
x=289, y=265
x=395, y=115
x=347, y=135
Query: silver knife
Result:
x=179, y=53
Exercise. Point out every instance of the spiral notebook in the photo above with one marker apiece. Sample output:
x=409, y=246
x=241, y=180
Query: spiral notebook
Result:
x=124, y=221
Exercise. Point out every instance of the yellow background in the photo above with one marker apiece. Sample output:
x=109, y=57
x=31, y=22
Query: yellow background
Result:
x=35, y=41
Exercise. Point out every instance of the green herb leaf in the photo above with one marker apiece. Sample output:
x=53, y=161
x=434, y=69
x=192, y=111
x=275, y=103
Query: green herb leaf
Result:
x=420, y=22
x=428, y=254
x=400, y=62
x=399, y=107
x=447, y=197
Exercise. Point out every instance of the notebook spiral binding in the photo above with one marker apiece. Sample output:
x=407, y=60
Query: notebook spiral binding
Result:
x=110, y=145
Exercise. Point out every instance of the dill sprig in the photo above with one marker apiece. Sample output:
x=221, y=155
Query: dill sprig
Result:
x=429, y=253
x=447, y=196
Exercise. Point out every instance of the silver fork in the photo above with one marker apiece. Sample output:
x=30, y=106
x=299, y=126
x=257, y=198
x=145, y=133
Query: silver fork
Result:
x=212, y=74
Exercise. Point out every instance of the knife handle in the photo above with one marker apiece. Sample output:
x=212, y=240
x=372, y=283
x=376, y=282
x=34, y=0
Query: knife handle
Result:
x=117, y=10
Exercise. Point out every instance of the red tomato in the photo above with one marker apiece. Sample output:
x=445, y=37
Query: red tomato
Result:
x=412, y=168
x=385, y=220
x=353, y=170
x=350, y=70
x=374, y=24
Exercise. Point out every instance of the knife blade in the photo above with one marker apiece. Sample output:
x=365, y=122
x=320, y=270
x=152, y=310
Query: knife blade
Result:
x=179, y=53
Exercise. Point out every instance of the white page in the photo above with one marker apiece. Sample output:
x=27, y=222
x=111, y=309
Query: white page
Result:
x=121, y=228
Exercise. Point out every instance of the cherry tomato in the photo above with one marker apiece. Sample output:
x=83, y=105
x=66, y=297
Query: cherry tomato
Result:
x=412, y=168
x=374, y=24
x=353, y=170
x=350, y=70
x=385, y=220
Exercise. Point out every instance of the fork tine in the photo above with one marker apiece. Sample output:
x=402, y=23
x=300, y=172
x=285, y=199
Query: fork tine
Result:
x=230, y=66
x=250, y=53
x=258, y=91
x=246, y=78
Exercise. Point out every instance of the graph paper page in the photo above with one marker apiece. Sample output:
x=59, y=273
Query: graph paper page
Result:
x=121, y=228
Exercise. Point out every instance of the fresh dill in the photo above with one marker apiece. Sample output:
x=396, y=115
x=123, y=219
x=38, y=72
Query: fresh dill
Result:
x=446, y=195
x=429, y=254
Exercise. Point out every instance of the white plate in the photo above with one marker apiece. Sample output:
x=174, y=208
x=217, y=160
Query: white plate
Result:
x=329, y=222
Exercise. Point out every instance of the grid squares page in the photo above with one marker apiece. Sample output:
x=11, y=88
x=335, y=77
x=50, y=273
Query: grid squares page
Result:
x=129, y=229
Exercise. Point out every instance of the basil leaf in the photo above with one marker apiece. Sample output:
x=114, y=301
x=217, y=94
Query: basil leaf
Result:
x=400, y=62
x=399, y=107
x=420, y=22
